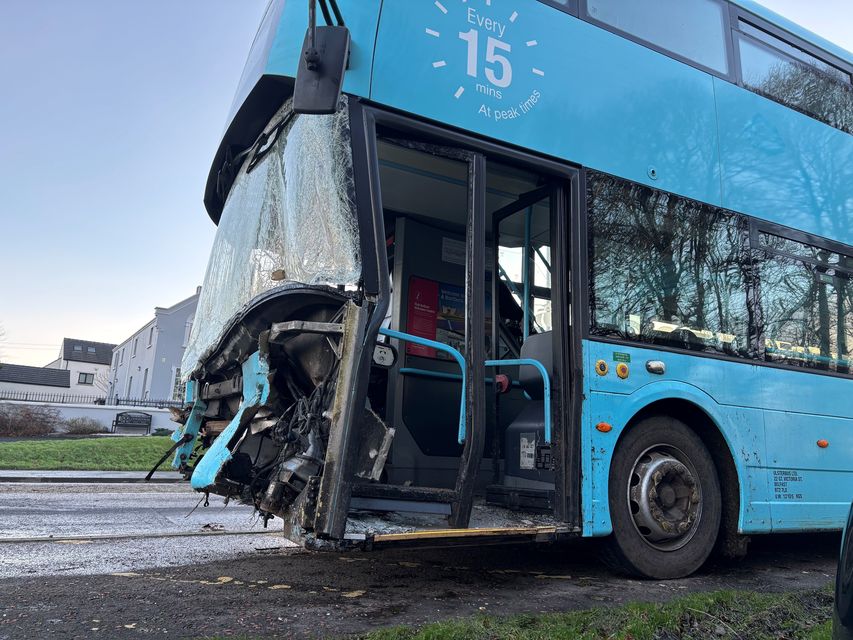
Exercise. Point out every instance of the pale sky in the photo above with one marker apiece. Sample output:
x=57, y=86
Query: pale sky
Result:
x=109, y=118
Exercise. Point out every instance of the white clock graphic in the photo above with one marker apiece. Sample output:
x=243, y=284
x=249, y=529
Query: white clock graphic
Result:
x=490, y=53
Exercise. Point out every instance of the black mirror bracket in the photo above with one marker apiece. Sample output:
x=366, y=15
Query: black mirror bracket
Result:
x=326, y=52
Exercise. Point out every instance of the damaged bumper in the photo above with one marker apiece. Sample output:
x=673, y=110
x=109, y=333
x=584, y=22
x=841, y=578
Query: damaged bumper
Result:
x=286, y=432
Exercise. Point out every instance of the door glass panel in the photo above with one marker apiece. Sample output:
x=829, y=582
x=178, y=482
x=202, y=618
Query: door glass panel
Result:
x=524, y=267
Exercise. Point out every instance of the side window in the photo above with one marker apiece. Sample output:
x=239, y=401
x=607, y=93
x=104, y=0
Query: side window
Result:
x=789, y=75
x=695, y=30
x=807, y=305
x=666, y=270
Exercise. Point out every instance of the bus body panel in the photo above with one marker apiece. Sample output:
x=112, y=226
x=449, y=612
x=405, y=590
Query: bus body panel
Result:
x=601, y=101
x=771, y=432
x=596, y=99
x=784, y=166
x=361, y=18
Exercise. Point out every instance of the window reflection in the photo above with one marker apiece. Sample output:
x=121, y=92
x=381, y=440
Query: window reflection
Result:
x=807, y=310
x=666, y=270
x=796, y=84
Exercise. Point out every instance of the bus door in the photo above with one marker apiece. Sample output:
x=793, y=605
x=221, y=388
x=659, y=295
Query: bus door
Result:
x=471, y=319
x=523, y=331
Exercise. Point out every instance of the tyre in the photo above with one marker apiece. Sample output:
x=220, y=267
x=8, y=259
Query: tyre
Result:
x=665, y=501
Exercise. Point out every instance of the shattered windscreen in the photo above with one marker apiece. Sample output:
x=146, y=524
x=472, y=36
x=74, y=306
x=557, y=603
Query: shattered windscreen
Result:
x=290, y=217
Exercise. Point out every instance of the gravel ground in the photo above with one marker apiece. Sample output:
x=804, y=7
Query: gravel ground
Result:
x=259, y=586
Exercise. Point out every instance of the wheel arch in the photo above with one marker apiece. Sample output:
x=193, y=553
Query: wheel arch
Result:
x=696, y=409
x=703, y=425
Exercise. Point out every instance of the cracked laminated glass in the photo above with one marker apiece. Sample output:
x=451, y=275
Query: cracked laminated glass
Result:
x=289, y=217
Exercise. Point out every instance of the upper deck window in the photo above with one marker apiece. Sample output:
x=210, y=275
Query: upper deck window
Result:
x=695, y=30
x=794, y=77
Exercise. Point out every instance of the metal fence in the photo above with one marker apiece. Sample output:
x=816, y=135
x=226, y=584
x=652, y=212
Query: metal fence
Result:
x=70, y=398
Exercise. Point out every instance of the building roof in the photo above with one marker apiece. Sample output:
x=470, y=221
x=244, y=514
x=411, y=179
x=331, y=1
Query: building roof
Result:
x=22, y=374
x=76, y=350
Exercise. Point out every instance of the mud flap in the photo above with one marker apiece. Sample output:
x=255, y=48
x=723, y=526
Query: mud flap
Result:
x=256, y=389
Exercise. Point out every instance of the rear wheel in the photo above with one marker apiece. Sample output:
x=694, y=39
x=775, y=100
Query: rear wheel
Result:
x=665, y=501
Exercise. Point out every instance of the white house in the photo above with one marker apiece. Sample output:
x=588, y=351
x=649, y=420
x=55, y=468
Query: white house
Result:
x=148, y=364
x=88, y=363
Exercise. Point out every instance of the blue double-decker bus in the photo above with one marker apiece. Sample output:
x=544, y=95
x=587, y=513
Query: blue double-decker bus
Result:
x=502, y=270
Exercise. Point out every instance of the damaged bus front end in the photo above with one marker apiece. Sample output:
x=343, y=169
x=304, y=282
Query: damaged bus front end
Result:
x=280, y=338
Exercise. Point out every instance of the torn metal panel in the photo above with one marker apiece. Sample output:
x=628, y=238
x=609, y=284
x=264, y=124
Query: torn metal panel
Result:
x=189, y=428
x=256, y=388
x=335, y=486
x=376, y=440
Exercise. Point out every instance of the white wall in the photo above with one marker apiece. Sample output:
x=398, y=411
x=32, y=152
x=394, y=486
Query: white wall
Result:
x=34, y=388
x=160, y=418
x=100, y=371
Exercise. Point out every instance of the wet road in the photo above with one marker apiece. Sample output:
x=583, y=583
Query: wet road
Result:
x=257, y=586
x=136, y=511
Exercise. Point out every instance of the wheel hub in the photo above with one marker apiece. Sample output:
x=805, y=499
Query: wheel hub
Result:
x=665, y=499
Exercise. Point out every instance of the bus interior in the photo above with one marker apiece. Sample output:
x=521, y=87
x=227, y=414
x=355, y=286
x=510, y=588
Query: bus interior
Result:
x=426, y=199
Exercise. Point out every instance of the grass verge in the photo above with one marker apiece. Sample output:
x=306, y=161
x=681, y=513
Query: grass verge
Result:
x=718, y=615
x=87, y=454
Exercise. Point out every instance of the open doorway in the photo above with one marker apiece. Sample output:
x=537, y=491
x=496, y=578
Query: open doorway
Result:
x=471, y=250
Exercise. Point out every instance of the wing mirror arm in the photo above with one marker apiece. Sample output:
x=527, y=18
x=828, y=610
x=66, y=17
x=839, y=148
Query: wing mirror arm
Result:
x=325, y=59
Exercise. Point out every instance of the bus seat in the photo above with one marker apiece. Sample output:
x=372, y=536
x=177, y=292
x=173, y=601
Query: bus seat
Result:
x=538, y=346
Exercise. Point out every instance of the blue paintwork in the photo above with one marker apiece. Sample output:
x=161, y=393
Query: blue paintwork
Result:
x=460, y=359
x=770, y=417
x=546, y=382
x=191, y=427
x=189, y=392
x=256, y=389
x=604, y=102
x=783, y=166
x=361, y=18
x=613, y=105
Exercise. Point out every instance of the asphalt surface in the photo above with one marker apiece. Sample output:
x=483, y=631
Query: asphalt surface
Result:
x=259, y=586
x=87, y=476
x=131, y=513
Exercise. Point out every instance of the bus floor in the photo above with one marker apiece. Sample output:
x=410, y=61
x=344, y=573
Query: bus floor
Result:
x=484, y=517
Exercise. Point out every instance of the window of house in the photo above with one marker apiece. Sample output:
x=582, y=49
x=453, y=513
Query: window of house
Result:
x=135, y=346
x=178, y=387
x=145, y=385
x=78, y=348
x=129, y=387
x=666, y=270
x=90, y=350
x=787, y=74
x=121, y=356
x=188, y=329
x=695, y=30
x=86, y=378
x=807, y=304
x=150, y=336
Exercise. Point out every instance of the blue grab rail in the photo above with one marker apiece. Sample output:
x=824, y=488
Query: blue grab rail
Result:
x=546, y=381
x=443, y=375
x=460, y=359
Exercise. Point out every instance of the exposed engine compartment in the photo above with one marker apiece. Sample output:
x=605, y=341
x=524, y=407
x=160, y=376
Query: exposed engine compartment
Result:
x=265, y=428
